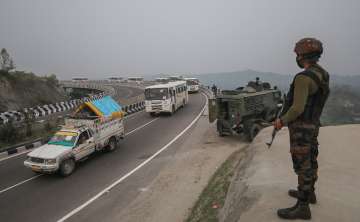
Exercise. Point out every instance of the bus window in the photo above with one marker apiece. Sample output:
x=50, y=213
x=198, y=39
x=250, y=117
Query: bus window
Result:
x=156, y=94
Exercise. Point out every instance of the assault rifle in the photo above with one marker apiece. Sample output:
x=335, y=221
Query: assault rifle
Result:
x=280, y=109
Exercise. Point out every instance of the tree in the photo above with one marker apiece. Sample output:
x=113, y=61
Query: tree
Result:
x=6, y=62
x=8, y=133
x=52, y=80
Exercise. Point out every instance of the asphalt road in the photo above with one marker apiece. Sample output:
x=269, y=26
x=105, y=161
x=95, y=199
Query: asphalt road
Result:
x=50, y=197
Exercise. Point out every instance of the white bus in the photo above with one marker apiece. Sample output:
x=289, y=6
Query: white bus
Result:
x=78, y=79
x=137, y=80
x=162, y=80
x=175, y=78
x=193, y=85
x=165, y=98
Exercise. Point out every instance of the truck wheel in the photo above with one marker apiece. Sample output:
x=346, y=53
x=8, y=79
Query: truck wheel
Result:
x=221, y=133
x=219, y=128
x=112, y=145
x=270, y=115
x=254, y=130
x=152, y=114
x=67, y=167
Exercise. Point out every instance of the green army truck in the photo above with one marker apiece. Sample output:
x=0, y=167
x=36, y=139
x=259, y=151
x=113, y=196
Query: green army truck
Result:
x=245, y=110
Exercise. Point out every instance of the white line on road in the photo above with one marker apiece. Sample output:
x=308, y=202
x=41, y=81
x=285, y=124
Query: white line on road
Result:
x=14, y=155
x=133, y=115
x=18, y=184
x=140, y=127
x=76, y=210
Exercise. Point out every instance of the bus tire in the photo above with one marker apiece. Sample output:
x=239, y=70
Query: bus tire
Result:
x=67, y=167
x=172, y=110
x=152, y=114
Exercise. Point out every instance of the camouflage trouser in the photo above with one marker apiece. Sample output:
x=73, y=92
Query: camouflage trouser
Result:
x=304, y=152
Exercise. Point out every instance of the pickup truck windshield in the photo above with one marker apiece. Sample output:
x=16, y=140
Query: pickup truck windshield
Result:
x=64, y=139
x=156, y=94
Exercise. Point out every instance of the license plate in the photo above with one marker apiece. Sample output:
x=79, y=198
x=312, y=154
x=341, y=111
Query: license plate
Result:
x=35, y=168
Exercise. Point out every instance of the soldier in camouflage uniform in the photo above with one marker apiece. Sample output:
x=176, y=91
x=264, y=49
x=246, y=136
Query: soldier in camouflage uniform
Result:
x=303, y=107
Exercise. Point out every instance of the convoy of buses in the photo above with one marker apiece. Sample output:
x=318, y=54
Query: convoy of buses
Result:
x=167, y=96
x=192, y=83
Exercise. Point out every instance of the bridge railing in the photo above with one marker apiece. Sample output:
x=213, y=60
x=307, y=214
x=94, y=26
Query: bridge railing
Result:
x=90, y=85
x=207, y=91
x=17, y=116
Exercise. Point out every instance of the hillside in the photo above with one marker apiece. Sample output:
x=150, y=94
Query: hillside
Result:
x=342, y=107
x=232, y=80
x=20, y=90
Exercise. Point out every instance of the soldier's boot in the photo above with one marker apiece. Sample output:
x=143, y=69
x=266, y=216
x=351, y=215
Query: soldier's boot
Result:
x=301, y=210
x=295, y=194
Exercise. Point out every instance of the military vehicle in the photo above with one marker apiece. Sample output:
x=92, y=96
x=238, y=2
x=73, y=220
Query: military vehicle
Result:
x=246, y=109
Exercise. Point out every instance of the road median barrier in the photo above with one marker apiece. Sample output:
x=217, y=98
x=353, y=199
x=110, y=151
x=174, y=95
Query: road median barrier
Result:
x=22, y=147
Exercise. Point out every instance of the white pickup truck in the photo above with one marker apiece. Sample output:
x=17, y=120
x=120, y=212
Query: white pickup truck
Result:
x=75, y=141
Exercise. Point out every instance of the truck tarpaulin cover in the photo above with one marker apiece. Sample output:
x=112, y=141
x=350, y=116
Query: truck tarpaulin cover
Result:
x=104, y=107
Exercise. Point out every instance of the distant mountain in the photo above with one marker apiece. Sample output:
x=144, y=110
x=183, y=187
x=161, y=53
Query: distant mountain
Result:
x=232, y=80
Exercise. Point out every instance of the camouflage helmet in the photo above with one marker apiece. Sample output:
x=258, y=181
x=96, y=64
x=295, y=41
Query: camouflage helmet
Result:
x=309, y=48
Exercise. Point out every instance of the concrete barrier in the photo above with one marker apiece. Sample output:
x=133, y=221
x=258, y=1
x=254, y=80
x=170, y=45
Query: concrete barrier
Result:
x=21, y=148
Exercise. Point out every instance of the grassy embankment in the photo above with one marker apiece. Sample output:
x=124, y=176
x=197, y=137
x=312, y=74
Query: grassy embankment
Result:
x=212, y=198
x=20, y=90
x=342, y=107
x=10, y=136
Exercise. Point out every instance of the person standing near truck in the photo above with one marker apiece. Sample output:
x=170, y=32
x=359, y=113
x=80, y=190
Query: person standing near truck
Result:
x=303, y=107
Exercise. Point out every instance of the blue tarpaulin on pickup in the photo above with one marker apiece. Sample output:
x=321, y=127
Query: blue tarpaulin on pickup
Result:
x=104, y=107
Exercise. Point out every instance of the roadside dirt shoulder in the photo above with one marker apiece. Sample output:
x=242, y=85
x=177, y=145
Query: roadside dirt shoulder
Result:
x=178, y=186
x=260, y=187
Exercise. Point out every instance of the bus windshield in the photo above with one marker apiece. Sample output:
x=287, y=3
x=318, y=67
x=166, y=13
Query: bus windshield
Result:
x=192, y=82
x=156, y=93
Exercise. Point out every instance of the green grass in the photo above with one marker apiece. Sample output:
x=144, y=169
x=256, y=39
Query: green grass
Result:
x=38, y=131
x=212, y=198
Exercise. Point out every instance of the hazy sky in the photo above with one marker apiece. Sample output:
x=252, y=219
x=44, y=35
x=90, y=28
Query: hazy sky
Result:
x=129, y=37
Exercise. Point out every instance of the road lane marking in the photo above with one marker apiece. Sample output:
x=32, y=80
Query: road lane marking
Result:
x=18, y=184
x=107, y=189
x=15, y=155
x=140, y=127
x=32, y=178
x=133, y=115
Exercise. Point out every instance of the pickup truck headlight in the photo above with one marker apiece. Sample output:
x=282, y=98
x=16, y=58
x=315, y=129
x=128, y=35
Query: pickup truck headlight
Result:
x=50, y=161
